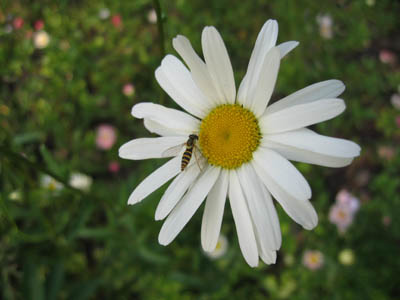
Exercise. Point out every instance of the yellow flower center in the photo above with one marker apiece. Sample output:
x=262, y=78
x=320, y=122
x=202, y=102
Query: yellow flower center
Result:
x=314, y=258
x=52, y=186
x=229, y=135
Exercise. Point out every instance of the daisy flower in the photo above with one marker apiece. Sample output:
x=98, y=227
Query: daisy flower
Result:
x=242, y=146
x=41, y=39
x=48, y=182
x=80, y=181
x=346, y=257
x=325, y=23
x=152, y=16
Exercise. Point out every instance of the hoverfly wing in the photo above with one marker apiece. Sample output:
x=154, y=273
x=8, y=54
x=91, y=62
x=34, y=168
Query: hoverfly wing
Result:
x=172, y=151
x=198, y=157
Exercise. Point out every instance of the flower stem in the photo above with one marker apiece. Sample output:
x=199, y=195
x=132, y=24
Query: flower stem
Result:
x=161, y=37
x=160, y=26
x=35, y=166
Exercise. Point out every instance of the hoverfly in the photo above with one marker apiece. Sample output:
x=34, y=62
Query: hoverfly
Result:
x=187, y=154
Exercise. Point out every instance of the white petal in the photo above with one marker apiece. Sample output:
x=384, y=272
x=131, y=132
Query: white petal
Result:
x=172, y=119
x=300, y=211
x=213, y=213
x=155, y=180
x=177, y=81
x=309, y=157
x=186, y=208
x=322, y=90
x=270, y=164
x=145, y=148
x=302, y=115
x=305, y=145
x=258, y=207
x=286, y=47
x=197, y=67
x=266, y=39
x=241, y=216
x=157, y=128
x=261, y=92
x=268, y=257
x=309, y=140
x=272, y=214
x=175, y=191
x=218, y=63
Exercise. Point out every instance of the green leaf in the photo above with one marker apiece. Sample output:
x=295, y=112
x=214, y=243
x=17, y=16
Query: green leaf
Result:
x=51, y=163
x=32, y=284
x=95, y=233
x=28, y=137
x=79, y=221
x=85, y=290
x=55, y=281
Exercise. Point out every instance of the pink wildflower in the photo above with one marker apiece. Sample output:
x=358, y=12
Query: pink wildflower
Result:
x=128, y=89
x=313, y=259
x=105, y=136
x=18, y=22
x=386, y=152
x=341, y=216
x=347, y=199
x=387, y=57
x=116, y=20
x=342, y=212
x=113, y=167
x=39, y=24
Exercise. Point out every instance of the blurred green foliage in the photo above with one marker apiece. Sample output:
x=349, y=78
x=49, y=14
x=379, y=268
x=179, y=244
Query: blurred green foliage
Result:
x=68, y=244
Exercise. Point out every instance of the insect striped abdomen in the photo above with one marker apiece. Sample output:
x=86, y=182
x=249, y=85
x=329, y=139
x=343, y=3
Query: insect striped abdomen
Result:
x=187, y=155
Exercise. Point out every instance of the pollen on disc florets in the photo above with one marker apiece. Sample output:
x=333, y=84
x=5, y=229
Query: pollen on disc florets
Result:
x=229, y=135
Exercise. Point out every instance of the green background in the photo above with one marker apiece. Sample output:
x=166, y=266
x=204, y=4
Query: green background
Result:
x=75, y=245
